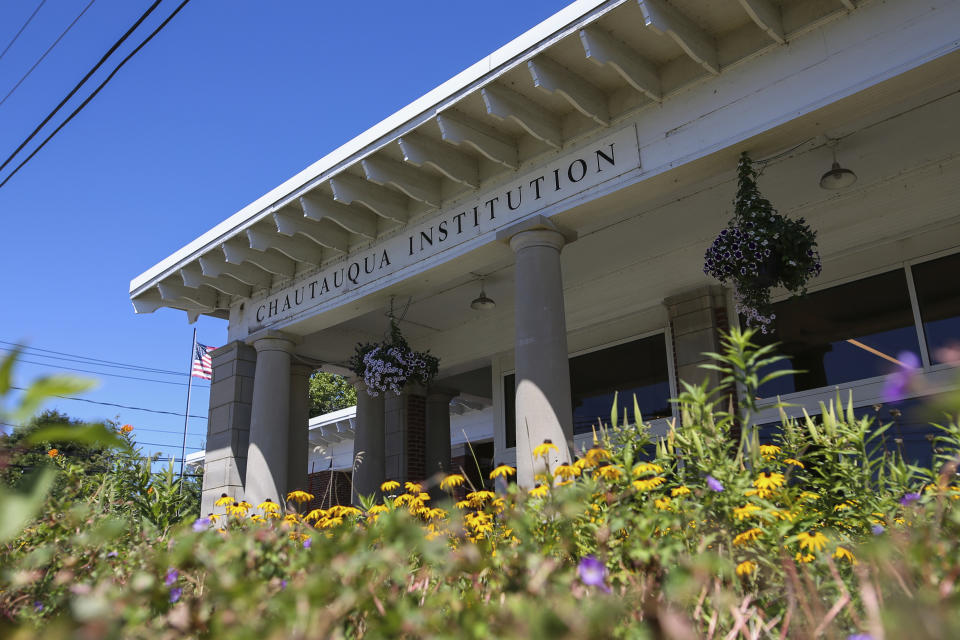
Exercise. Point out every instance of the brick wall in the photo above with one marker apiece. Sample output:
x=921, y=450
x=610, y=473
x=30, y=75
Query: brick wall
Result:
x=416, y=437
x=325, y=496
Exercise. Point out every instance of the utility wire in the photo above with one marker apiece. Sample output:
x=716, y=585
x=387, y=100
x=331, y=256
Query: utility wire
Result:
x=121, y=406
x=84, y=359
x=49, y=49
x=25, y=25
x=82, y=81
x=95, y=92
x=112, y=375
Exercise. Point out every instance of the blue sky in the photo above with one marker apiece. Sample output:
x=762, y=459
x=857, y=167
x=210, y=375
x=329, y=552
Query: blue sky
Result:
x=229, y=100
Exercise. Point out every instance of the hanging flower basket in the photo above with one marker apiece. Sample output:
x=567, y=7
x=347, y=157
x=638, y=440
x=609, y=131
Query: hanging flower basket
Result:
x=761, y=249
x=388, y=366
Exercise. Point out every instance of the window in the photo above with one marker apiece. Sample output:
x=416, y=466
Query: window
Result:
x=633, y=368
x=937, y=284
x=844, y=333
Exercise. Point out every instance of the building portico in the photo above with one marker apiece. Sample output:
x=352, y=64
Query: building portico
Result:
x=579, y=174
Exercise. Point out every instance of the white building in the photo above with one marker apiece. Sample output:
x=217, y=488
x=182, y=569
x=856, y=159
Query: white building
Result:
x=582, y=170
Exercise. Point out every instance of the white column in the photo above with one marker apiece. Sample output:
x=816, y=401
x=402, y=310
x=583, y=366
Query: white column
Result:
x=437, y=434
x=543, y=407
x=297, y=436
x=368, y=439
x=269, y=419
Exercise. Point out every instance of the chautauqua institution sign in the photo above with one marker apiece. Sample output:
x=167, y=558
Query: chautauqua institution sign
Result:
x=469, y=220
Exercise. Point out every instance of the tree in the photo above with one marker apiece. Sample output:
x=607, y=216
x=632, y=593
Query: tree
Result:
x=329, y=392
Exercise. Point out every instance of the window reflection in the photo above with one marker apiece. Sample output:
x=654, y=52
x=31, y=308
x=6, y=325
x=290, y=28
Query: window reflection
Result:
x=937, y=284
x=845, y=333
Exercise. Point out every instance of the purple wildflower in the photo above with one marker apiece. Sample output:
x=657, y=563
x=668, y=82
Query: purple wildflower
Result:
x=171, y=577
x=909, y=498
x=860, y=636
x=714, y=484
x=37, y=606
x=897, y=383
x=307, y=543
x=593, y=573
x=112, y=554
x=175, y=594
x=283, y=584
x=201, y=524
x=877, y=529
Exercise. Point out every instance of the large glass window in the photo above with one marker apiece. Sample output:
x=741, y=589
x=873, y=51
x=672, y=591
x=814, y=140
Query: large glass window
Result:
x=636, y=368
x=937, y=284
x=845, y=333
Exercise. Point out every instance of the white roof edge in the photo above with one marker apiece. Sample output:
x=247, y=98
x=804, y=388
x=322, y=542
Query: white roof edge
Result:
x=513, y=49
x=333, y=416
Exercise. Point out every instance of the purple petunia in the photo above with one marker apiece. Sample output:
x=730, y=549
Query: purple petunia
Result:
x=201, y=524
x=897, y=383
x=909, y=498
x=175, y=594
x=714, y=485
x=171, y=577
x=593, y=573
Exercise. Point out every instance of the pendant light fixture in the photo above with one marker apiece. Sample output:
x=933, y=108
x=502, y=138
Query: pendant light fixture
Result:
x=482, y=303
x=837, y=177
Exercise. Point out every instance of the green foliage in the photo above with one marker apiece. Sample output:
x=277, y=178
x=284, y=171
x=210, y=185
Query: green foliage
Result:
x=822, y=533
x=330, y=392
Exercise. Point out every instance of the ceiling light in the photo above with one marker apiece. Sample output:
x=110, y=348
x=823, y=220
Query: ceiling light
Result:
x=837, y=177
x=482, y=303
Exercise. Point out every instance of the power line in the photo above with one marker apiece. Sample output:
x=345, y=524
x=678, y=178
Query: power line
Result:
x=121, y=406
x=95, y=92
x=25, y=25
x=73, y=357
x=82, y=81
x=49, y=49
x=112, y=375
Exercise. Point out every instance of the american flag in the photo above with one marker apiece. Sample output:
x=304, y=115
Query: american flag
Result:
x=202, y=364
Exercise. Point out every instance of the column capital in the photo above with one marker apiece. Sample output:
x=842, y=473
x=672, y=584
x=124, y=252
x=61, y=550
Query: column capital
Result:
x=300, y=369
x=270, y=340
x=536, y=231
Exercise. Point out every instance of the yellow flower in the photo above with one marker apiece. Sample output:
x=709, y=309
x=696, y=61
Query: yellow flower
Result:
x=223, y=500
x=746, y=567
x=747, y=510
x=747, y=536
x=316, y=514
x=329, y=523
x=539, y=491
x=127, y=428
x=610, y=472
x=477, y=498
x=341, y=511
x=258, y=518
x=463, y=504
x=237, y=509
x=844, y=554
x=767, y=481
x=246, y=505
x=378, y=508
x=596, y=455
x=53, y=453
x=541, y=450
x=213, y=516
x=809, y=495
x=451, y=481
x=299, y=496
x=268, y=506
x=435, y=514
x=662, y=503
x=389, y=485
x=800, y=557
x=812, y=540
x=843, y=506
x=646, y=467
x=292, y=518
x=679, y=491
x=769, y=451
x=412, y=487
x=649, y=483
x=794, y=462
x=566, y=471
x=784, y=515
x=503, y=471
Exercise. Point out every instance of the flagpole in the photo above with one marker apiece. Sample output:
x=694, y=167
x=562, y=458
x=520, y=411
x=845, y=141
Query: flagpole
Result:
x=186, y=415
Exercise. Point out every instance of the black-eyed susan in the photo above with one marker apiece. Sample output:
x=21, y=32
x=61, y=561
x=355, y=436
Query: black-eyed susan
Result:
x=299, y=496
x=236, y=509
x=610, y=472
x=769, y=451
x=746, y=567
x=566, y=471
x=503, y=471
x=596, y=455
x=316, y=514
x=245, y=505
x=462, y=504
x=679, y=491
x=804, y=557
x=542, y=450
x=645, y=468
x=662, y=503
x=269, y=506
x=451, y=481
x=767, y=481
x=402, y=499
x=794, y=462
x=540, y=490
x=412, y=487
x=223, y=501
x=477, y=498
x=747, y=510
x=844, y=554
x=648, y=484
x=378, y=508
x=258, y=518
x=747, y=536
x=813, y=541
x=389, y=485
x=291, y=518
